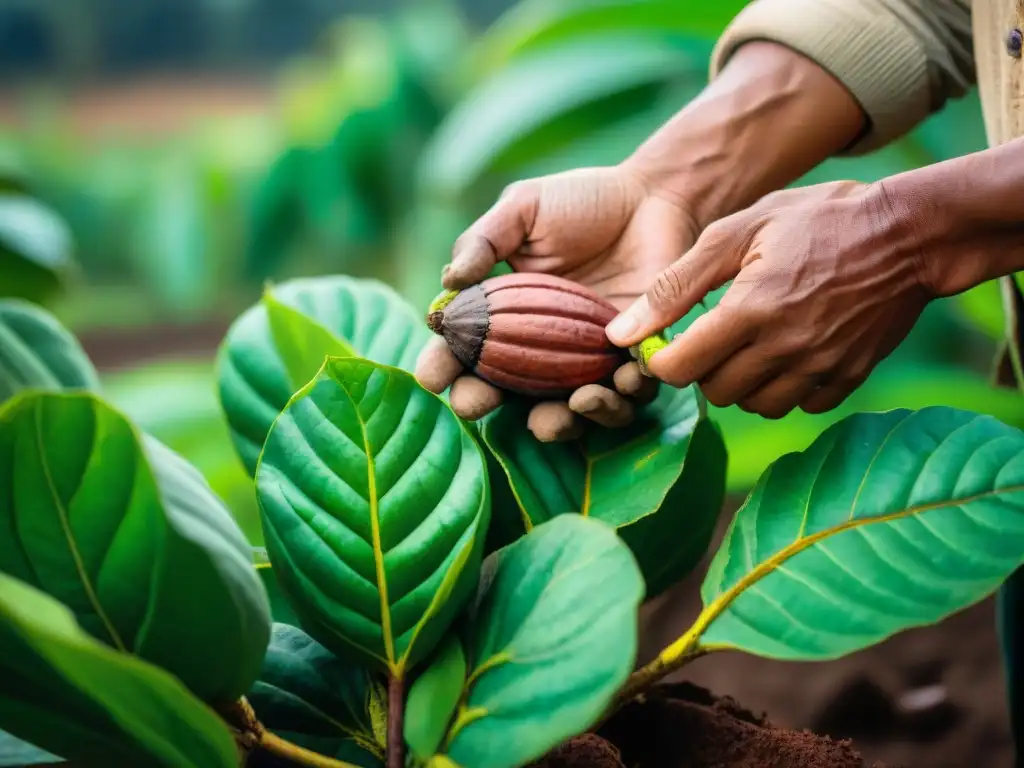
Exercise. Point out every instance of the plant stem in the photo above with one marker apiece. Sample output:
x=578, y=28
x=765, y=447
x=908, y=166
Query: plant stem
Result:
x=251, y=734
x=676, y=656
x=396, y=721
x=275, y=745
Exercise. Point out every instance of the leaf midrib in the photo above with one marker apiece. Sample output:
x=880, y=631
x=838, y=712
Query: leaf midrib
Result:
x=378, y=552
x=65, y=525
x=720, y=604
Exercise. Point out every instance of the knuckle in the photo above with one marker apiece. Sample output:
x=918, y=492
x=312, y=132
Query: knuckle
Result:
x=668, y=288
x=717, y=395
x=517, y=191
x=824, y=362
x=856, y=374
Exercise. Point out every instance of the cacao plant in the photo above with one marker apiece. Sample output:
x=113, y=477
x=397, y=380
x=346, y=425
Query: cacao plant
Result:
x=383, y=625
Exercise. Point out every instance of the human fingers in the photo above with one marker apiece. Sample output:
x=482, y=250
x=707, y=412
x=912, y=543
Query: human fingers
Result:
x=831, y=394
x=739, y=376
x=630, y=382
x=493, y=237
x=601, y=405
x=709, y=341
x=437, y=367
x=781, y=395
x=713, y=261
x=552, y=422
x=472, y=398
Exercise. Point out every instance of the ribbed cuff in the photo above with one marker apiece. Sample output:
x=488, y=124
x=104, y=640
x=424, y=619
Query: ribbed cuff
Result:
x=859, y=42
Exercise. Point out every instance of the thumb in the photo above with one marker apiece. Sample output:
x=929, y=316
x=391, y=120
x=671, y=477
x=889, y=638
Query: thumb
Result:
x=708, y=265
x=493, y=237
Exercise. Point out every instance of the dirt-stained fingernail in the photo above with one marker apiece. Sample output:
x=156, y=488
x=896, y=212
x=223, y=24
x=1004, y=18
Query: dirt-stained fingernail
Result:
x=472, y=398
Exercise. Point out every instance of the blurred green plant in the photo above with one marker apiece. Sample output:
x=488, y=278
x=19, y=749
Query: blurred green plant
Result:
x=36, y=258
x=388, y=140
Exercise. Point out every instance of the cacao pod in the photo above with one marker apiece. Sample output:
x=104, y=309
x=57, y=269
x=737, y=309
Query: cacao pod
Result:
x=534, y=334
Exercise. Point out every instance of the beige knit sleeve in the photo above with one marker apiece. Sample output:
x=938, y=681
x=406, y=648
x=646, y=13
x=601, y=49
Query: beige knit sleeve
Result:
x=901, y=59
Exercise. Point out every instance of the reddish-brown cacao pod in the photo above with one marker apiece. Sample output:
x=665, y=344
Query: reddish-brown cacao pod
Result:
x=534, y=334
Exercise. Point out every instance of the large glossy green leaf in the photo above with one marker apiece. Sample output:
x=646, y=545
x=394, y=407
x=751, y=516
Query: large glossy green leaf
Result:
x=888, y=521
x=434, y=697
x=130, y=537
x=35, y=248
x=15, y=752
x=175, y=401
x=308, y=696
x=280, y=608
x=554, y=638
x=539, y=104
x=255, y=384
x=37, y=352
x=375, y=506
x=538, y=24
x=78, y=698
x=660, y=481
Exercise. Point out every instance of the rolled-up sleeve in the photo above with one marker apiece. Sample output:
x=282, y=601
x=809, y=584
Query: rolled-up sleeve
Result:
x=901, y=59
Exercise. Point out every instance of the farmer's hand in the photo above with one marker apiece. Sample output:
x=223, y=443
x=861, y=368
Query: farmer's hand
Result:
x=827, y=281
x=602, y=227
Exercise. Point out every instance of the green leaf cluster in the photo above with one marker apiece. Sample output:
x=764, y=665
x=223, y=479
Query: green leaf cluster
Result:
x=460, y=587
x=376, y=503
x=129, y=607
x=464, y=589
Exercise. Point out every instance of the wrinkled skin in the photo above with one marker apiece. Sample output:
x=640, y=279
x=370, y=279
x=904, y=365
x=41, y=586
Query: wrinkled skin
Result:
x=602, y=227
x=827, y=282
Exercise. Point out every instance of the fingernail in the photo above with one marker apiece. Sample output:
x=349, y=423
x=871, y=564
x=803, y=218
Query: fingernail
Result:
x=622, y=329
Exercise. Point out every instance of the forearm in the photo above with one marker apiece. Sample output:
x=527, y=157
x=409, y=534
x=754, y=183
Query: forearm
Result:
x=768, y=118
x=964, y=217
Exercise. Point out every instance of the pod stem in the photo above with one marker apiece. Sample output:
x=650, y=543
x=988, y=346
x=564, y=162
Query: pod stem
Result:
x=644, y=351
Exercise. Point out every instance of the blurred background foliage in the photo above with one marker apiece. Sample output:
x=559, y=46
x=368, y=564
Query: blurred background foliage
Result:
x=223, y=143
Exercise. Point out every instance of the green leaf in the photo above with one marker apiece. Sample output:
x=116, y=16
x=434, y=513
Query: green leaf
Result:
x=550, y=99
x=433, y=698
x=37, y=352
x=539, y=24
x=78, y=698
x=660, y=482
x=301, y=341
x=309, y=697
x=555, y=638
x=130, y=537
x=15, y=752
x=35, y=248
x=254, y=382
x=280, y=609
x=375, y=506
x=175, y=401
x=888, y=521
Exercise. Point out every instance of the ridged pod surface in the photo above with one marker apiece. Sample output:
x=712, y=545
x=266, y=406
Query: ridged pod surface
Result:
x=534, y=334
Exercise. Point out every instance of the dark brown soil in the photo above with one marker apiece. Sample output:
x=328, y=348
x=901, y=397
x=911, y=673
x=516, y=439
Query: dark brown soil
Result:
x=685, y=726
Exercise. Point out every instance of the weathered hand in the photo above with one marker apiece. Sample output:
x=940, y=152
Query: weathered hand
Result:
x=827, y=281
x=602, y=227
